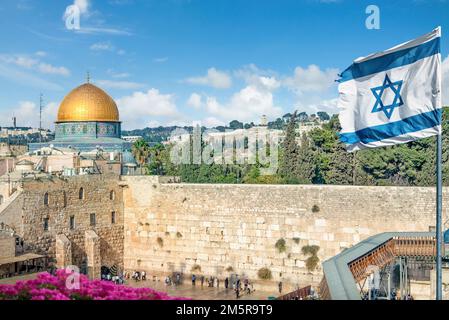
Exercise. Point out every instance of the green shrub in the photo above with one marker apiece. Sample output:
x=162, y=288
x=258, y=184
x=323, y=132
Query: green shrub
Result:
x=296, y=240
x=312, y=262
x=310, y=250
x=315, y=208
x=264, y=274
x=178, y=234
x=196, y=268
x=281, y=245
x=160, y=242
x=229, y=269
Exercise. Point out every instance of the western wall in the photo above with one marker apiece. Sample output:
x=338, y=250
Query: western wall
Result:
x=218, y=229
x=162, y=226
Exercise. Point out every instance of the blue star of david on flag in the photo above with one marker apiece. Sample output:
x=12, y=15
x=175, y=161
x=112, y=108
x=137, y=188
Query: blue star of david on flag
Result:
x=379, y=91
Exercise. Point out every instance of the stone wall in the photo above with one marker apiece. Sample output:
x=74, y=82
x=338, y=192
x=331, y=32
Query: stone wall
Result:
x=63, y=203
x=173, y=227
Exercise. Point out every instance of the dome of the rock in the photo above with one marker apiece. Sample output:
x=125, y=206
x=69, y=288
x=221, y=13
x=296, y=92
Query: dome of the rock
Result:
x=87, y=103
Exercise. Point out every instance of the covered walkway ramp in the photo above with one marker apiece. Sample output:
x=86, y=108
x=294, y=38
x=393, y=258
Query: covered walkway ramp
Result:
x=344, y=272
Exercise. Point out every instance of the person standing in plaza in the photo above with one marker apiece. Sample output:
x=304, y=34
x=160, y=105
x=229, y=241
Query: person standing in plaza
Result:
x=193, y=279
x=226, y=283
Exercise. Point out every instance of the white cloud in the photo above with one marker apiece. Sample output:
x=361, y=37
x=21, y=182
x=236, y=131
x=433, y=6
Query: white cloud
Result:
x=102, y=46
x=27, y=114
x=140, y=108
x=103, y=30
x=19, y=60
x=445, y=81
x=41, y=53
x=83, y=5
x=210, y=122
x=125, y=85
x=27, y=79
x=195, y=101
x=327, y=105
x=27, y=62
x=160, y=60
x=106, y=46
x=117, y=75
x=214, y=78
x=249, y=104
x=264, y=79
x=311, y=79
x=49, y=69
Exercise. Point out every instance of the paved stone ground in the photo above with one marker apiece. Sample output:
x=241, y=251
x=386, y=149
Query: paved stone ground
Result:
x=185, y=290
x=200, y=293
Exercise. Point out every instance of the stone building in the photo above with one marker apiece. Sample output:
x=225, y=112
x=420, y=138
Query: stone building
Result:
x=85, y=213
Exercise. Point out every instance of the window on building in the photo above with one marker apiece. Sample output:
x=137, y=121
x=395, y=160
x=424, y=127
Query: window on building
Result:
x=45, y=224
x=46, y=199
x=113, y=217
x=81, y=194
x=72, y=222
x=93, y=221
x=112, y=195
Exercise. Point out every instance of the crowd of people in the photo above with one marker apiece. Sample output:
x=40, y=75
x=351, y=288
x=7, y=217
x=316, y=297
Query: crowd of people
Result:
x=234, y=283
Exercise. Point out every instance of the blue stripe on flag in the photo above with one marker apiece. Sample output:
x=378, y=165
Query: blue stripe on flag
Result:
x=377, y=133
x=391, y=60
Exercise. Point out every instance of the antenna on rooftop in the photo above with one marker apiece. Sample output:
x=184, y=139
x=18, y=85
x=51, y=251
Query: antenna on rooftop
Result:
x=41, y=106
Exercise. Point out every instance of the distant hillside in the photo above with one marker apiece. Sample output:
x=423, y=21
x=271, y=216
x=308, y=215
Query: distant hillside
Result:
x=159, y=134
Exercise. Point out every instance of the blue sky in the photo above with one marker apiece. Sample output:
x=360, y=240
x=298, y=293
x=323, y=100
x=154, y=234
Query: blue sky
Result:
x=183, y=61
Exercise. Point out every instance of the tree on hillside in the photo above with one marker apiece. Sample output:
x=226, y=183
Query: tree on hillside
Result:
x=235, y=124
x=323, y=115
x=306, y=161
x=288, y=167
x=303, y=117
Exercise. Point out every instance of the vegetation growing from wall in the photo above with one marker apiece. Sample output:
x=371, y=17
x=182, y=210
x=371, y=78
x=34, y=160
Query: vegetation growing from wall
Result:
x=313, y=260
x=196, y=268
x=280, y=245
x=160, y=241
x=264, y=274
x=229, y=269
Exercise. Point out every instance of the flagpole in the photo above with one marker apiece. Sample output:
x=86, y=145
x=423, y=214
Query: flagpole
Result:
x=439, y=199
x=439, y=204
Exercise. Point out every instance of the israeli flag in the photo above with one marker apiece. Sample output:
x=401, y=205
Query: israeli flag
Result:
x=392, y=96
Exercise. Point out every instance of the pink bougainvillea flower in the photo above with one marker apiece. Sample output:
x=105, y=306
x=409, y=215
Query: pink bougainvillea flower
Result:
x=49, y=287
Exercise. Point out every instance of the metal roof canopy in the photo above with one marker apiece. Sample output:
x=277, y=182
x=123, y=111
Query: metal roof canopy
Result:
x=340, y=281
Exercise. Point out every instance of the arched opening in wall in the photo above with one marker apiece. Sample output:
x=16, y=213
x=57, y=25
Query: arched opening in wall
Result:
x=46, y=199
x=112, y=195
x=81, y=194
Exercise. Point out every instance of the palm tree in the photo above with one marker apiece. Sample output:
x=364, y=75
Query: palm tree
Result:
x=141, y=151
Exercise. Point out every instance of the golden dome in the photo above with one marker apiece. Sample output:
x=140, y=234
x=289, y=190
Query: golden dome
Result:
x=87, y=103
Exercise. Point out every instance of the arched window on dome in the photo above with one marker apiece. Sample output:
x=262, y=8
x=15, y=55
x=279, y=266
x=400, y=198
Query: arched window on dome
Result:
x=112, y=195
x=81, y=194
x=46, y=199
